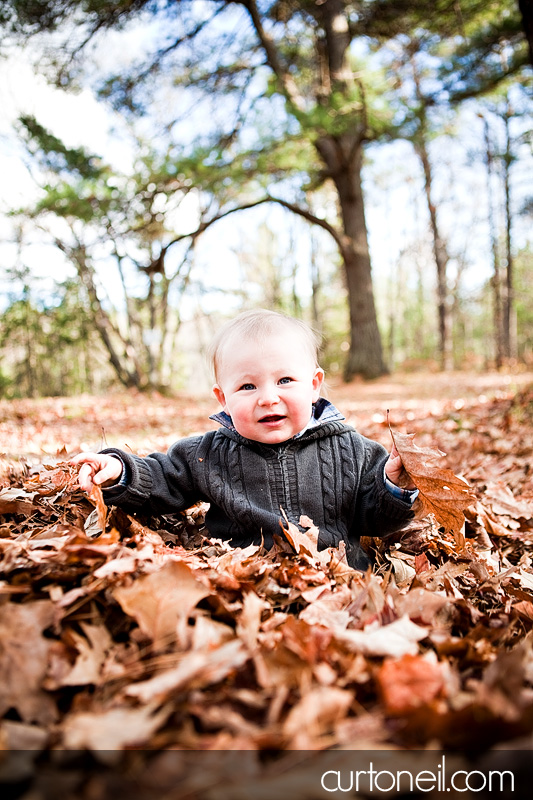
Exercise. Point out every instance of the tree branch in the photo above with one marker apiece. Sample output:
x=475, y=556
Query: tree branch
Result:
x=302, y=212
x=267, y=43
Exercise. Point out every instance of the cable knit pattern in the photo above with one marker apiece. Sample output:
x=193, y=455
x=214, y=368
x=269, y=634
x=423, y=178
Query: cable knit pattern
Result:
x=327, y=465
x=330, y=473
x=347, y=473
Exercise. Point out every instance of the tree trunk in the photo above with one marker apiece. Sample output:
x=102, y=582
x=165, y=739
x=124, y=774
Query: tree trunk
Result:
x=495, y=281
x=130, y=378
x=439, y=247
x=365, y=356
x=315, y=288
x=441, y=262
x=509, y=349
x=342, y=154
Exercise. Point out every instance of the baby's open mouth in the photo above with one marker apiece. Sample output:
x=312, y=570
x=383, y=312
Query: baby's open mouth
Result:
x=272, y=418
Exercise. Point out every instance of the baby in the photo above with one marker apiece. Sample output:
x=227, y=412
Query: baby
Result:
x=282, y=449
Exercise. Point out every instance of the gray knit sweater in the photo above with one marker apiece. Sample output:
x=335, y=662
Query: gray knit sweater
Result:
x=330, y=473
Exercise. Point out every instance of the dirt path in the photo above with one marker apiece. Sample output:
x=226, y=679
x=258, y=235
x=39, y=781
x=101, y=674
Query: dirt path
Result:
x=418, y=389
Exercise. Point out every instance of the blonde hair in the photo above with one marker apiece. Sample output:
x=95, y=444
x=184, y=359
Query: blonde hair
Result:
x=258, y=323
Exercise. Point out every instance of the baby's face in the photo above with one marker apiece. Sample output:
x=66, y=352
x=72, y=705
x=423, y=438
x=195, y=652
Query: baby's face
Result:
x=268, y=386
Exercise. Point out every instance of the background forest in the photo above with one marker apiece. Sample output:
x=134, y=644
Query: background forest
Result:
x=365, y=165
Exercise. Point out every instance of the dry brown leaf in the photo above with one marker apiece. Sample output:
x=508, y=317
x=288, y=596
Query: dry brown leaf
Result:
x=16, y=501
x=420, y=604
x=329, y=609
x=20, y=736
x=399, y=638
x=114, y=728
x=301, y=541
x=409, y=682
x=316, y=712
x=159, y=600
x=250, y=619
x=200, y=668
x=92, y=652
x=208, y=634
x=441, y=493
x=97, y=498
x=24, y=660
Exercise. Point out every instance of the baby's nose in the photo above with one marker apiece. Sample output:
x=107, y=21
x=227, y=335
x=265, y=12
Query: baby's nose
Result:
x=268, y=396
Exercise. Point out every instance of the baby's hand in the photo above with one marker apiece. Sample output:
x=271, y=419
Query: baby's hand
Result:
x=97, y=469
x=395, y=472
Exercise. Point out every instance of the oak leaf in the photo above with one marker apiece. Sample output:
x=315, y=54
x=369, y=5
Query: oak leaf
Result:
x=441, y=492
x=159, y=600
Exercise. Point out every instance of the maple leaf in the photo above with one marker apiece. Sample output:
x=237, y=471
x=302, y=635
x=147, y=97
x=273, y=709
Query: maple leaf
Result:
x=441, y=492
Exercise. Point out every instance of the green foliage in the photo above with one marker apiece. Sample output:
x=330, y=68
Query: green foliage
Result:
x=29, y=16
x=54, y=155
x=476, y=45
x=48, y=345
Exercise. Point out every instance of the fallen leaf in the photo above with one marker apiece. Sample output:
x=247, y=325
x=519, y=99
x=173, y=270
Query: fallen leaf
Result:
x=114, y=728
x=159, y=600
x=441, y=493
x=24, y=660
x=16, y=501
x=199, y=668
x=92, y=648
x=316, y=713
x=250, y=619
x=97, y=498
x=422, y=605
x=409, y=682
x=396, y=639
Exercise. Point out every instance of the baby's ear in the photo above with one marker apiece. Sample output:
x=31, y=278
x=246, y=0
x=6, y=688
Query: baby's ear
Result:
x=219, y=394
x=318, y=378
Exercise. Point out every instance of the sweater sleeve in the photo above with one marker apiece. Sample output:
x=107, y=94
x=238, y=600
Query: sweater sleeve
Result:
x=378, y=511
x=160, y=483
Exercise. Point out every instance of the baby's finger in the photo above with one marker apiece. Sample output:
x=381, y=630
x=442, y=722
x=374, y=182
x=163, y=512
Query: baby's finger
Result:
x=80, y=458
x=85, y=477
x=108, y=474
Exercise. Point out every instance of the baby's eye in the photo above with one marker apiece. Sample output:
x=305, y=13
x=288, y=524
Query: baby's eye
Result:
x=285, y=380
x=247, y=387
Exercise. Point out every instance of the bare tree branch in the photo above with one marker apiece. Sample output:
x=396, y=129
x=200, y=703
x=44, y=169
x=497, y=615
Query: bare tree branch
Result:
x=288, y=85
x=296, y=209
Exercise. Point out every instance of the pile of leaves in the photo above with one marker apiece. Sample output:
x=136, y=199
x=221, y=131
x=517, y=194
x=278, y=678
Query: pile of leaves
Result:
x=121, y=635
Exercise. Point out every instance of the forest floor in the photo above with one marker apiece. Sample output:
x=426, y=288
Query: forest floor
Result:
x=130, y=645
x=38, y=428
